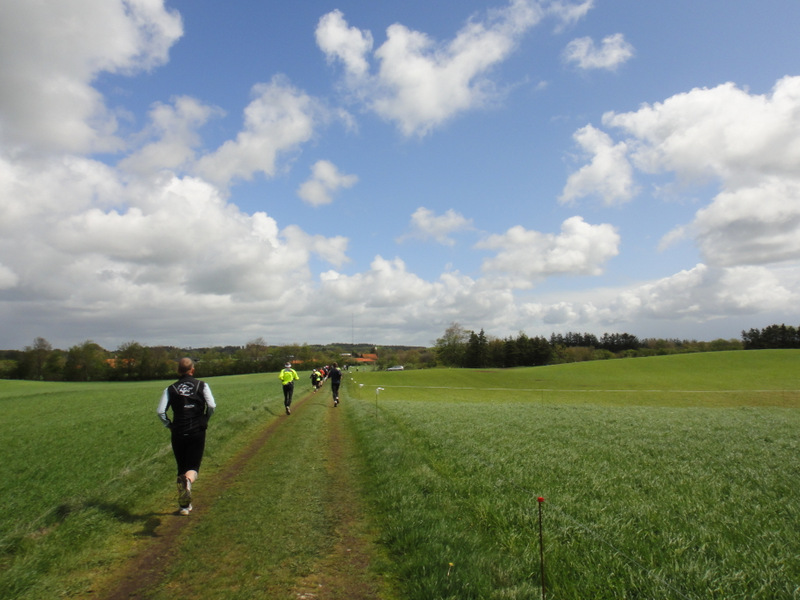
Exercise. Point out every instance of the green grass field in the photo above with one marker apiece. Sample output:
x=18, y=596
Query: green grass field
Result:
x=671, y=477
x=665, y=477
x=81, y=464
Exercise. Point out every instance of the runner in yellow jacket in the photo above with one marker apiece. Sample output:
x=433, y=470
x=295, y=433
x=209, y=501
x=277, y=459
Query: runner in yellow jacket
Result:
x=288, y=376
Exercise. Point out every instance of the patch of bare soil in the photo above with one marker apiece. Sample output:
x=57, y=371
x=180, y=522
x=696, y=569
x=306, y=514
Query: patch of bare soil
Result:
x=343, y=574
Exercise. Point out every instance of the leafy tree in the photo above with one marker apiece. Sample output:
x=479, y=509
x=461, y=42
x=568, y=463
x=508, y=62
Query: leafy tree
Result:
x=35, y=358
x=511, y=352
x=254, y=357
x=476, y=353
x=156, y=363
x=773, y=336
x=306, y=354
x=86, y=362
x=496, y=353
x=619, y=342
x=128, y=360
x=450, y=348
x=54, y=366
x=255, y=350
x=574, y=340
x=533, y=351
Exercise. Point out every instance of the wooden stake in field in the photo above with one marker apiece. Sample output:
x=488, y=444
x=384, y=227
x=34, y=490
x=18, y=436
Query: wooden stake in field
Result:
x=541, y=546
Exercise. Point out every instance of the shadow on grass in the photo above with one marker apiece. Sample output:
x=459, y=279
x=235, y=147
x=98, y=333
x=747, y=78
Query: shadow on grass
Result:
x=149, y=521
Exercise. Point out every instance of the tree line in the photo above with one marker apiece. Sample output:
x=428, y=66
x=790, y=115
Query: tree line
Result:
x=460, y=347
x=773, y=336
x=457, y=347
x=132, y=361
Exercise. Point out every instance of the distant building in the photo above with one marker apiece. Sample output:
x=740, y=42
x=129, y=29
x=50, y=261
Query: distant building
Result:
x=366, y=359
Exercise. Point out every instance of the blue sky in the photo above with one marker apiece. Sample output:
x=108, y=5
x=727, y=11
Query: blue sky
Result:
x=201, y=173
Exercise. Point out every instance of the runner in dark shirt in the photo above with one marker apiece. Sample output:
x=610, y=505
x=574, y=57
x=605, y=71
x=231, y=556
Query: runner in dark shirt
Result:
x=192, y=405
x=335, y=375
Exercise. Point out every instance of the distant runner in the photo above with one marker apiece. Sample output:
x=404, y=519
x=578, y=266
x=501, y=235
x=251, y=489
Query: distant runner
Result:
x=288, y=376
x=335, y=375
x=316, y=380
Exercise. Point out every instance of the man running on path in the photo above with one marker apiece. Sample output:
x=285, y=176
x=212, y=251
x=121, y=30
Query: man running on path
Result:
x=192, y=405
x=335, y=375
x=288, y=376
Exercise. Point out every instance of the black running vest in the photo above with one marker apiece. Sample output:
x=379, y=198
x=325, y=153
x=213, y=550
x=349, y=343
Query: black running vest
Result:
x=188, y=406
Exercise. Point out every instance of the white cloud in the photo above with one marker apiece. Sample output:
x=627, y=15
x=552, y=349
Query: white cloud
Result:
x=609, y=174
x=746, y=143
x=325, y=180
x=388, y=297
x=348, y=44
x=87, y=248
x=613, y=52
x=277, y=122
x=704, y=293
x=420, y=83
x=697, y=295
x=723, y=133
x=568, y=13
x=425, y=225
x=526, y=256
x=174, y=128
x=332, y=250
x=754, y=225
x=47, y=101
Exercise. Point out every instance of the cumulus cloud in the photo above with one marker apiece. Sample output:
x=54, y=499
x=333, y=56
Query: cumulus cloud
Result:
x=392, y=298
x=324, y=182
x=426, y=225
x=173, y=129
x=421, y=83
x=613, y=52
x=527, y=256
x=332, y=250
x=154, y=240
x=348, y=44
x=162, y=253
x=753, y=225
x=723, y=133
x=47, y=102
x=277, y=121
x=700, y=294
x=704, y=293
x=608, y=175
x=745, y=143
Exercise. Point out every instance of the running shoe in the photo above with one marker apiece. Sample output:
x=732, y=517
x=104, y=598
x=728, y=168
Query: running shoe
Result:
x=185, y=510
x=184, y=491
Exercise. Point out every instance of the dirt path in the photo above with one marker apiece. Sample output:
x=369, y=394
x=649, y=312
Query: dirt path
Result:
x=343, y=574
